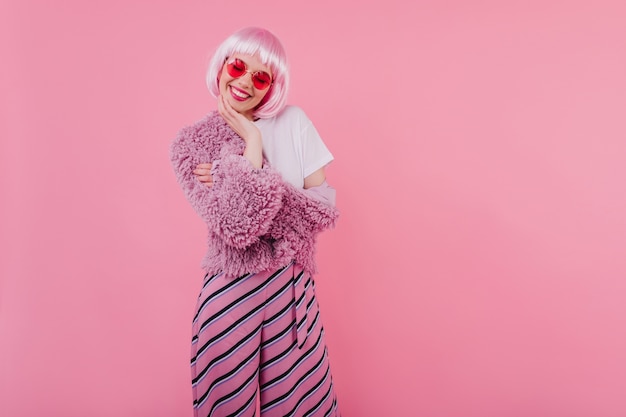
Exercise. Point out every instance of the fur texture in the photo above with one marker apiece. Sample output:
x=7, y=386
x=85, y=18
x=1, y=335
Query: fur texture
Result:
x=255, y=220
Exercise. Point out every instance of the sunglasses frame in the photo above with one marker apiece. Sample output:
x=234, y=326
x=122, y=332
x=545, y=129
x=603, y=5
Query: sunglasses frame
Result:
x=230, y=67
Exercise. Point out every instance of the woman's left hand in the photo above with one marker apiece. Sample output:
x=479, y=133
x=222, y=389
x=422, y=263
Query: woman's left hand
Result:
x=203, y=174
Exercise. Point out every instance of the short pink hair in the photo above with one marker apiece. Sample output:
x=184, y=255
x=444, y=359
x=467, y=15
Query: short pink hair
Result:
x=262, y=43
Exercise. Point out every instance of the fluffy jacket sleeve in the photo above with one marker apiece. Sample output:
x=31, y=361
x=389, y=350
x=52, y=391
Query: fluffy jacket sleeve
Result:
x=305, y=214
x=301, y=218
x=243, y=201
x=323, y=192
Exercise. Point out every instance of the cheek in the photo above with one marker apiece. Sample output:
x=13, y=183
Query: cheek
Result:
x=222, y=79
x=265, y=95
x=223, y=85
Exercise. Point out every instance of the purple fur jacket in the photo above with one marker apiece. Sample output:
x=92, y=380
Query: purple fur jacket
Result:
x=256, y=221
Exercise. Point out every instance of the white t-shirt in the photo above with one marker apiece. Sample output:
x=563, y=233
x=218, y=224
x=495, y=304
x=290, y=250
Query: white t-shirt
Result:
x=292, y=145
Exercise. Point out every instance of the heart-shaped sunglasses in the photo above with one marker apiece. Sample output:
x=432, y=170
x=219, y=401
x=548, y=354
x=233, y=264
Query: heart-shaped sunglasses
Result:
x=237, y=68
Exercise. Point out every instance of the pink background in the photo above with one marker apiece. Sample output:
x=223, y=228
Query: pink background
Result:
x=478, y=268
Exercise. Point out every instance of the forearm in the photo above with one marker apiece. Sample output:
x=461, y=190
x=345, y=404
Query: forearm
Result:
x=254, y=151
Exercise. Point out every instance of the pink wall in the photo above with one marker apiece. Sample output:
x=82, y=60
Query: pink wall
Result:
x=478, y=268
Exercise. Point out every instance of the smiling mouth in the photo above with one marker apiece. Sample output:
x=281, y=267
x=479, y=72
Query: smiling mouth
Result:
x=238, y=94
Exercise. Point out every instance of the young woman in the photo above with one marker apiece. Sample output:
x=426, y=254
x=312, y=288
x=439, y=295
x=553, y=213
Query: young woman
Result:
x=254, y=171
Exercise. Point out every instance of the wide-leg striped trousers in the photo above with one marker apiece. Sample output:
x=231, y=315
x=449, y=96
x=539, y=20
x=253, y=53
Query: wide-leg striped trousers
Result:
x=260, y=333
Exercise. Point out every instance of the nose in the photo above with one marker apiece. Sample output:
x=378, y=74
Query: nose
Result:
x=246, y=78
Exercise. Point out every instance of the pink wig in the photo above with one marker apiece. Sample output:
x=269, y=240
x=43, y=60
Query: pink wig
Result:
x=262, y=43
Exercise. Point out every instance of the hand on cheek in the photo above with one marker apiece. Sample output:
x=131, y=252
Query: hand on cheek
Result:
x=237, y=121
x=245, y=129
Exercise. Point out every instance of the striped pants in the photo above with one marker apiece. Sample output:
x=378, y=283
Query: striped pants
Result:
x=260, y=333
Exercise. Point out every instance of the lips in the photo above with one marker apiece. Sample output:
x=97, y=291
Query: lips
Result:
x=238, y=94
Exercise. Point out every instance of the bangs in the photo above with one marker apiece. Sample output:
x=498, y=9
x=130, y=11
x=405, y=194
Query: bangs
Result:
x=263, y=46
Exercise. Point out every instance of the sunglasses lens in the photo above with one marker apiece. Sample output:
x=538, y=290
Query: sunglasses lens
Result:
x=261, y=80
x=236, y=68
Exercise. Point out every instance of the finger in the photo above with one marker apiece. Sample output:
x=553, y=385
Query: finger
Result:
x=225, y=105
x=229, y=110
x=202, y=171
x=203, y=166
x=227, y=115
x=205, y=178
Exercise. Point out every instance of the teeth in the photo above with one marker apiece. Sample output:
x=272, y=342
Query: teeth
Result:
x=238, y=93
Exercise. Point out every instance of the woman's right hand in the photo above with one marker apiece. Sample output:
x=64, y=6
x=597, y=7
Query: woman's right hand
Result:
x=203, y=174
x=244, y=128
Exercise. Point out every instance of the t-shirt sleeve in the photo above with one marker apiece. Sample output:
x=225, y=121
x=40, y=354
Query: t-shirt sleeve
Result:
x=315, y=153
